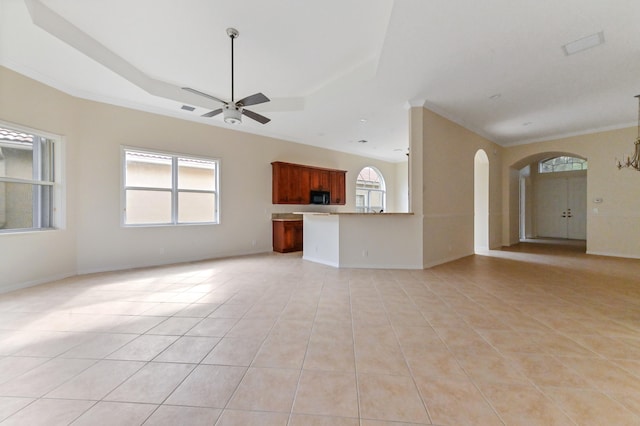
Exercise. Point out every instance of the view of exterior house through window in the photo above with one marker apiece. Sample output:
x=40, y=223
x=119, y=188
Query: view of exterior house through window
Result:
x=168, y=189
x=26, y=181
x=370, y=191
x=562, y=164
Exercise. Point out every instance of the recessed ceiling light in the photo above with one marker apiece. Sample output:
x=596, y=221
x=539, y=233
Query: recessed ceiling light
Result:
x=363, y=120
x=584, y=43
x=494, y=97
x=528, y=123
x=187, y=108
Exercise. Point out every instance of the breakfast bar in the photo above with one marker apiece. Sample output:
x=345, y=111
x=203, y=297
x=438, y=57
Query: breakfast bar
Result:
x=362, y=240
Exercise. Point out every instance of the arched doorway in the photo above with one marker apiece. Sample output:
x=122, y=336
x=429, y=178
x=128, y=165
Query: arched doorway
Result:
x=548, y=197
x=481, y=201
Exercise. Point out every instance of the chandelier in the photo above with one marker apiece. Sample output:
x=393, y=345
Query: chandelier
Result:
x=633, y=162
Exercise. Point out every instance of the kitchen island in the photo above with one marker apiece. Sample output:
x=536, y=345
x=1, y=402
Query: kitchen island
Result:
x=362, y=240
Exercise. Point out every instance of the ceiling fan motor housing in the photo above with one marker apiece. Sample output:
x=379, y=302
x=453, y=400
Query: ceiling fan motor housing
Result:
x=232, y=114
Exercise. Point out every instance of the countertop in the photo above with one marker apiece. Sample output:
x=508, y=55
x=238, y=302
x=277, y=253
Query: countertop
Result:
x=286, y=220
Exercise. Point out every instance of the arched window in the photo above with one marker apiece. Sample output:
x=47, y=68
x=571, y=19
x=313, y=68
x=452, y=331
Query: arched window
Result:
x=370, y=191
x=562, y=164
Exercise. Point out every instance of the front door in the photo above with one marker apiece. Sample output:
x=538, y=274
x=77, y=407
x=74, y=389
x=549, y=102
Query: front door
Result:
x=561, y=207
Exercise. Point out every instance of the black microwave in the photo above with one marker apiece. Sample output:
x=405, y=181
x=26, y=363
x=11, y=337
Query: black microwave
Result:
x=320, y=197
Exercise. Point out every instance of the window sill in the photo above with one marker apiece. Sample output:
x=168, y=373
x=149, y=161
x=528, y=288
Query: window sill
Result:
x=168, y=225
x=27, y=231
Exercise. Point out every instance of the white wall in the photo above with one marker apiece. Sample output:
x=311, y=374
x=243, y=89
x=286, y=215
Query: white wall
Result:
x=94, y=239
x=380, y=241
x=321, y=242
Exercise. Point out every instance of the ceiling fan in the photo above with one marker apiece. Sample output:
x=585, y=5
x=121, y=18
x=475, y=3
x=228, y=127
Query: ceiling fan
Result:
x=234, y=110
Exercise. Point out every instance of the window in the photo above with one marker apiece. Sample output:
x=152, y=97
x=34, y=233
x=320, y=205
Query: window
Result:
x=370, y=191
x=562, y=164
x=28, y=191
x=168, y=189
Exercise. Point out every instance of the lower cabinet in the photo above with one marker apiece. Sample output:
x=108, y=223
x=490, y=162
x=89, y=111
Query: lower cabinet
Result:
x=287, y=235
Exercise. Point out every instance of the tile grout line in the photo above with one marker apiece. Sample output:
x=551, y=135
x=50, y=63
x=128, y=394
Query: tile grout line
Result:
x=295, y=394
x=395, y=333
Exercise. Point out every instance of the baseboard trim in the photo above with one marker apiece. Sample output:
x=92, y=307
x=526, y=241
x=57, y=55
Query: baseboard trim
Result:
x=382, y=266
x=115, y=268
x=445, y=260
x=20, y=286
x=602, y=253
x=320, y=261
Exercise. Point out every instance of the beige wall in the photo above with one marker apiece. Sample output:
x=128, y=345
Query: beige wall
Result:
x=28, y=258
x=448, y=152
x=440, y=169
x=93, y=239
x=613, y=227
x=402, y=187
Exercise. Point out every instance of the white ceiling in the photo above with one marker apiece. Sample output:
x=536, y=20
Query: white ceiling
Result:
x=332, y=63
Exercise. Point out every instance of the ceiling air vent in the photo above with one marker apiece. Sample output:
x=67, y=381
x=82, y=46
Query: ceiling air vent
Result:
x=188, y=108
x=584, y=43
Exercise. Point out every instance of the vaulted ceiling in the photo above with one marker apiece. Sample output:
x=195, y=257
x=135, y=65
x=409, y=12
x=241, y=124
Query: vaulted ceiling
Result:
x=341, y=72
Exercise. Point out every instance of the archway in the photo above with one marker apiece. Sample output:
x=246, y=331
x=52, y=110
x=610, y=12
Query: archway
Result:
x=481, y=201
x=547, y=203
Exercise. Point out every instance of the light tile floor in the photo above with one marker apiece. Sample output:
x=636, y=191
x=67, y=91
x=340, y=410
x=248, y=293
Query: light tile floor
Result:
x=536, y=334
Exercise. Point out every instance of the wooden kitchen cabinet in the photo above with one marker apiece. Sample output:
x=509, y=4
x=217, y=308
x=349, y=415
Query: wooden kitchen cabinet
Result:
x=290, y=184
x=293, y=183
x=300, y=185
x=280, y=185
x=319, y=180
x=287, y=235
x=337, y=180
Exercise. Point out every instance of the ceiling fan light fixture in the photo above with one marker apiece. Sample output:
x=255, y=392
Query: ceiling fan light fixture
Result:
x=232, y=114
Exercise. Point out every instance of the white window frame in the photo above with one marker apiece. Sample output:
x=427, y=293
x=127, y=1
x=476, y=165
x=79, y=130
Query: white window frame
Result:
x=585, y=165
x=382, y=190
x=175, y=191
x=58, y=192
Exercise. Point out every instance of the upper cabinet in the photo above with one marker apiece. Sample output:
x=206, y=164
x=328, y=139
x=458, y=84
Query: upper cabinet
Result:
x=337, y=182
x=292, y=183
x=319, y=180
